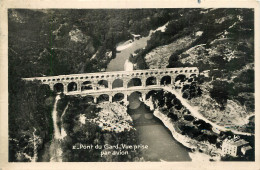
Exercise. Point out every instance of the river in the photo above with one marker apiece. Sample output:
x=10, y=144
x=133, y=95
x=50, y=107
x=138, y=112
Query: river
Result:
x=151, y=131
x=117, y=64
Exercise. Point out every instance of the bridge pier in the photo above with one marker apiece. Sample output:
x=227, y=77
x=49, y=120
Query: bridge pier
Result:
x=95, y=99
x=79, y=86
x=51, y=86
x=158, y=81
x=172, y=80
x=110, y=98
x=65, y=88
x=143, y=82
x=125, y=97
x=125, y=84
x=143, y=96
x=110, y=84
x=95, y=85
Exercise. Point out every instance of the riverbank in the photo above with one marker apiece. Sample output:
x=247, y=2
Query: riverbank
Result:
x=194, y=145
x=167, y=123
x=152, y=132
x=122, y=46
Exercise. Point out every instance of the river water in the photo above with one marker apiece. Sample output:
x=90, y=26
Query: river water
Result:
x=151, y=131
x=117, y=64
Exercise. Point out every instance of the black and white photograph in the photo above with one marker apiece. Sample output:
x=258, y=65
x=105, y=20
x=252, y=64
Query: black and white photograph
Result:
x=131, y=85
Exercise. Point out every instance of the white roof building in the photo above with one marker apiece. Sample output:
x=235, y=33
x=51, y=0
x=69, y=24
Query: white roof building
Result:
x=234, y=146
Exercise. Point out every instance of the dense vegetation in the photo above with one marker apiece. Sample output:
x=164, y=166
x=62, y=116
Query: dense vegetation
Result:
x=28, y=114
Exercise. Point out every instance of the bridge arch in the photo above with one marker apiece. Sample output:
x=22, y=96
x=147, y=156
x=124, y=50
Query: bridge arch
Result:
x=58, y=87
x=89, y=99
x=102, y=98
x=150, y=93
x=180, y=78
x=133, y=95
x=138, y=92
x=193, y=75
x=86, y=85
x=117, y=83
x=72, y=86
x=166, y=80
x=102, y=84
x=46, y=86
x=151, y=81
x=134, y=82
x=134, y=99
x=118, y=97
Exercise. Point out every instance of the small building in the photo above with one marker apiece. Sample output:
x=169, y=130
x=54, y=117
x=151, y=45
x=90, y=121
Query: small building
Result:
x=136, y=37
x=234, y=146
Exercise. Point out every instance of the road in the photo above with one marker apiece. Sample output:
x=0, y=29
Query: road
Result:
x=118, y=90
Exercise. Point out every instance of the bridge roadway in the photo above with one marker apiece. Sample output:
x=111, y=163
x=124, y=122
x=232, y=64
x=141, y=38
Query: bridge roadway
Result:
x=112, y=92
x=116, y=90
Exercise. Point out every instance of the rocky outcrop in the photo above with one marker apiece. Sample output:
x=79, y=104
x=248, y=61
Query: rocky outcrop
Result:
x=159, y=57
x=113, y=117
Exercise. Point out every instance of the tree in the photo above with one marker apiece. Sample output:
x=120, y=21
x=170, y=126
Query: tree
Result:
x=188, y=117
x=219, y=61
x=219, y=92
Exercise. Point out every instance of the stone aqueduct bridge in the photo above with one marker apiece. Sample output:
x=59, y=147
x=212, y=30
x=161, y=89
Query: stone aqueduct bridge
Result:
x=113, y=83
